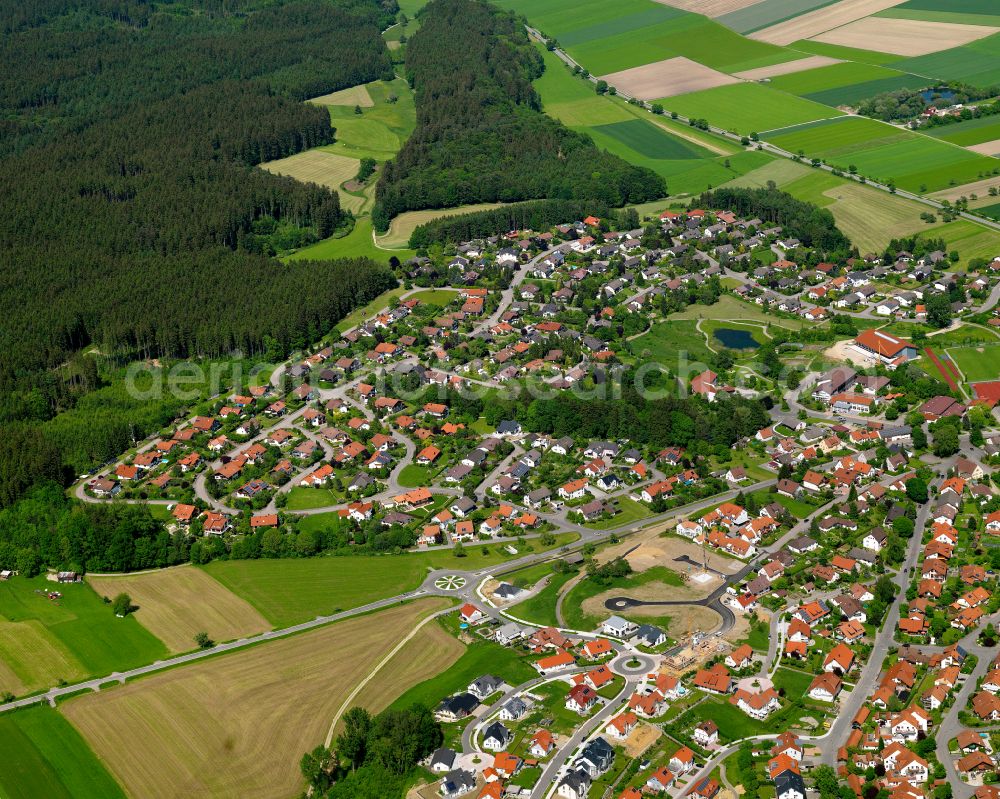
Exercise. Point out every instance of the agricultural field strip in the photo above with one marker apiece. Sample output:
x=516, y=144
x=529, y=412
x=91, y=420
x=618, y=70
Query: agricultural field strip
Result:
x=223, y=727
x=905, y=37
x=809, y=25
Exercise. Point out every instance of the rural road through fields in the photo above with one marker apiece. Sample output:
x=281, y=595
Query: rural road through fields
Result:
x=464, y=593
x=567, y=59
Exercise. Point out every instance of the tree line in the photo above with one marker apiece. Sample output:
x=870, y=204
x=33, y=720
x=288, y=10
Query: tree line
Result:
x=813, y=226
x=481, y=135
x=536, y=215
x=374, y=756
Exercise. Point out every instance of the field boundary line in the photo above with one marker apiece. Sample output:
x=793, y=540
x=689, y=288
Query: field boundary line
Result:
x=378, y=667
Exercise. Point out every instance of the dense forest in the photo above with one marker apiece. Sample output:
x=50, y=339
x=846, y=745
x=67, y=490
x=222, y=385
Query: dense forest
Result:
x=481, y=135
x=132, y=218
x=813, y=226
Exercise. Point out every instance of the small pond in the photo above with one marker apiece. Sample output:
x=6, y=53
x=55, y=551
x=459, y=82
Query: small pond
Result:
x=736, y=339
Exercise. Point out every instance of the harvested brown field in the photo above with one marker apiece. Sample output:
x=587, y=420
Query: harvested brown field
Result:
x=355, y=95
x=175, y=604
x=905, y=37
x=326, y=169
x=667, y=78
x=236, y=725
x=710, y=8
x=787, y=68
x=806, y=26
x=986, y=148
x=427, y=654
x=980, y=187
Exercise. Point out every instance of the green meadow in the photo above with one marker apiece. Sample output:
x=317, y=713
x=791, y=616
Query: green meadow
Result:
x=977, y=63
x=43, y=755
x=748, y=108
x=379, y=131
x=43, y=641
x=971, y=131
x=883, y=152
x=287, y=592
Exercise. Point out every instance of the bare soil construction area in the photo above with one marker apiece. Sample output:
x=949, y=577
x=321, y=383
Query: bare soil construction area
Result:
x=788, y=67
x=823, y=19
x=667, y=78
x=906, y=37
x=650, y=549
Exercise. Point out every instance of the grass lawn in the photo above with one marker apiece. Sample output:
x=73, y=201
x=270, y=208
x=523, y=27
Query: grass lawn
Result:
x=628, y=511
x=795, y=683
x=290, y=591
x=541, y=608
x=576, y=619
x=413, y=475
x=44, y=756
x=358, y=315
x=748, y=108
x=43, y=641
x=667, y=342
x=796, y=507
x=735, y=724
x=306, y=498
x=479, y=658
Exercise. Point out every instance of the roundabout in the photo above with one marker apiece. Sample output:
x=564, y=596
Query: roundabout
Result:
x=632, y=664
x=450, y=582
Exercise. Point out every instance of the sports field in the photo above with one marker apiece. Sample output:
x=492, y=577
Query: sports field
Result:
x=43, y=756
x=46, y=640
x=977, y=364
x=748, y=108
x=290, y=591
x=175, y=604
x=236, y=725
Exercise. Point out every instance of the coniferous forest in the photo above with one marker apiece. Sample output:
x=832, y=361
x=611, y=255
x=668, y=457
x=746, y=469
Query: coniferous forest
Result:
x=132, y=217
x=481, y=135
